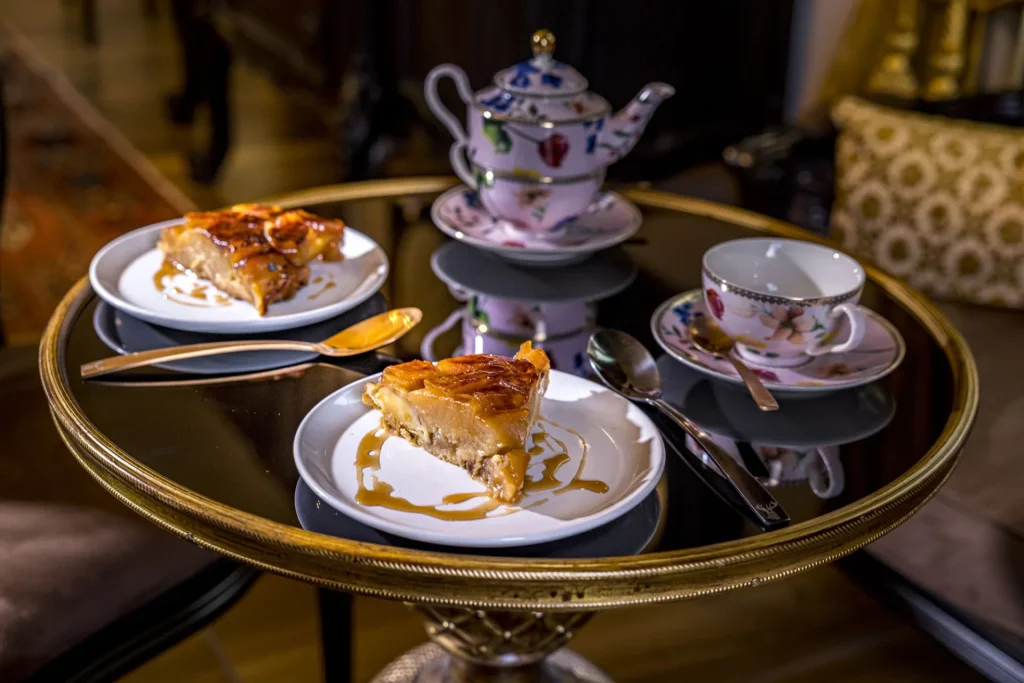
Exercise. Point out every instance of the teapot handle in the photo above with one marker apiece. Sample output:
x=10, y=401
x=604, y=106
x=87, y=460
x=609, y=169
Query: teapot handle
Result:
x=457, y=158
x=434, y=101
x=457, y=153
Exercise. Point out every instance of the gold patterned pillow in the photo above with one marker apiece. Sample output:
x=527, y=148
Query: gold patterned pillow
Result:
x=935, y=201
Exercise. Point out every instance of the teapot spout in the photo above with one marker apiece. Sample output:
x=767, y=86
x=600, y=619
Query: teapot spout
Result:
x=621, y=132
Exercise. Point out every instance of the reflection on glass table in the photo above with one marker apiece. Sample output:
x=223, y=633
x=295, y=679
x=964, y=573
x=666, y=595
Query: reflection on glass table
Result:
x=554, y=309
x=799, y=445
x=635, y=532
x=124, y=333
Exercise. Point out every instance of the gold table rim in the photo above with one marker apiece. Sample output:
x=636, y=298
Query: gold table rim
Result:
x=516, y=583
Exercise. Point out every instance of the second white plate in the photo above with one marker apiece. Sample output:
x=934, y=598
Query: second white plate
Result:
x=124, y=273
x=607, y=439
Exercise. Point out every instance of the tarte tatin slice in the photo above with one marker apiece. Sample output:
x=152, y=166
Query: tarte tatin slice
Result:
x=472, y=411
x=259, y=254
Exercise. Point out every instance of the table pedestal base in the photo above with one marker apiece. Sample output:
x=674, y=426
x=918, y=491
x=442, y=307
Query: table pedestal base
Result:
x=429, y=663
x=483, y=646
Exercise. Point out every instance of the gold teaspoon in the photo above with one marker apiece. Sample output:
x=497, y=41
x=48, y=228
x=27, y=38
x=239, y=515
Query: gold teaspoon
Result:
x=709, y=338
x=368, y=335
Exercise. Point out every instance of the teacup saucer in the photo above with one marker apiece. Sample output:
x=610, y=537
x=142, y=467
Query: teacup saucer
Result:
x=880, y=353
x=459, y=214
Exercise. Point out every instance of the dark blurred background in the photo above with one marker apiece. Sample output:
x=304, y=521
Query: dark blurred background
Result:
x=237, y=99
x=363, y=64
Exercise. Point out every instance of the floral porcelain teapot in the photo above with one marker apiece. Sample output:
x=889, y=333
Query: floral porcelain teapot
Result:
x=539, y=121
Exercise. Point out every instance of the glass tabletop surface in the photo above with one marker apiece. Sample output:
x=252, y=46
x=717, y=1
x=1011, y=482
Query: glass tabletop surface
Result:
x=232, y=441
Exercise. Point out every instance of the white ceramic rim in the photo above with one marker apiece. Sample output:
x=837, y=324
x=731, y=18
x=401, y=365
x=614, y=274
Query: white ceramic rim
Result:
x=781, y=389
x=809, y=300
x=284, y=322
x=574, y=528
x=558, y=256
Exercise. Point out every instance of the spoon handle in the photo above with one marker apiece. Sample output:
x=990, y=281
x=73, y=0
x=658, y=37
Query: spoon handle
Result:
x=762, y=397
x=757, y=498
x=141, y=359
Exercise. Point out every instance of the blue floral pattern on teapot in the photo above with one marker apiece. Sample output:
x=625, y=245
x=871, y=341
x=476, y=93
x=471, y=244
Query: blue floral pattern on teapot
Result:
x=539, y=119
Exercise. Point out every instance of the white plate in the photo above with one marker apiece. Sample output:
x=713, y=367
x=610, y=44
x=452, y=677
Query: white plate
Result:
x=625, y=451
x=458, y=213
x=122, y=274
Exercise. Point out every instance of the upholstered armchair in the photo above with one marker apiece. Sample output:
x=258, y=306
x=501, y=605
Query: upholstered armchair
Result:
x=908, y=187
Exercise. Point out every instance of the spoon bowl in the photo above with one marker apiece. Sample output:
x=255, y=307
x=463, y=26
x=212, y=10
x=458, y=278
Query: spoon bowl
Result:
x=707, y=336
x=372, y=333
x=624, y=364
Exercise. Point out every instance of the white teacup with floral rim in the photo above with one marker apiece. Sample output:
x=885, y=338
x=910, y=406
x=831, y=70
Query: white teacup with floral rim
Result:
x=781, y=300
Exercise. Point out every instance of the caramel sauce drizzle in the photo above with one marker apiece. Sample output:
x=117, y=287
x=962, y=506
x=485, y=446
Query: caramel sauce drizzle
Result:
x=167, y=269
x=578, y=483
x=547, y=480
x=199, y=291
x=383, y=494
x=331, y=284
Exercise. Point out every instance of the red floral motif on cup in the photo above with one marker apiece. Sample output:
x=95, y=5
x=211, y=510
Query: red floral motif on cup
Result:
x=715, y=303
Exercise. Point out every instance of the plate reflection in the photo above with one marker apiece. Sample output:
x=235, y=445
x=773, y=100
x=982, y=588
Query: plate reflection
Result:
x=635, y=532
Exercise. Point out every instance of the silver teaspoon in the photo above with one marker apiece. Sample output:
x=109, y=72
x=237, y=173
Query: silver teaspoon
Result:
x=625, y=365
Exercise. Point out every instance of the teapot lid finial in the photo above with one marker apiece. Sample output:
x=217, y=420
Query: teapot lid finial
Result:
x=542, y=75
x=543, y=43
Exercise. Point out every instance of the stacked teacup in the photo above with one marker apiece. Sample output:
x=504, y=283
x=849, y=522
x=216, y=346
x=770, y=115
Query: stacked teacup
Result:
x=536, y=150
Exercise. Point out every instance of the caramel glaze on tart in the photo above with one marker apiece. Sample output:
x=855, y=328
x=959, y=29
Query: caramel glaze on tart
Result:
x=259, y=254
x=472, y=411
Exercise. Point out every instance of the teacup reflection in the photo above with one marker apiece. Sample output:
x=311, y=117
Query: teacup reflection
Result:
x=829, y=420
x=800, y=443
x=818, y=466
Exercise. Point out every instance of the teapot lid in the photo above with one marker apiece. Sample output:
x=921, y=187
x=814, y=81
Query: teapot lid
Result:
x=541, y=76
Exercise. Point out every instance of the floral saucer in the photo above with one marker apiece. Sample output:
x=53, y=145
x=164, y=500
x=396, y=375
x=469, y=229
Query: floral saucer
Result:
x=879, y=354
x=459, y=214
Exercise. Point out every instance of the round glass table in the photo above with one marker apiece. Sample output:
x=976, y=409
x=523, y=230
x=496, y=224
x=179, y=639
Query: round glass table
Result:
x=209, y=456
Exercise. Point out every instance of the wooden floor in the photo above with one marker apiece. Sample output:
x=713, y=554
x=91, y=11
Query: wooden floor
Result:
x=814, y=627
